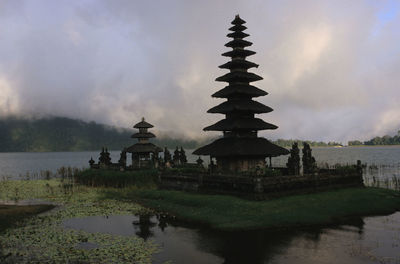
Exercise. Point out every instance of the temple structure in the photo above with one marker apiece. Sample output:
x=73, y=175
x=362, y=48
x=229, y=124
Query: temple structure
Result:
x=144, y=153
x=240, y=148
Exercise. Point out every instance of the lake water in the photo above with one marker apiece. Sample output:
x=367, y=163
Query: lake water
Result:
x=383, y=162
x=361, y=240
x=385, y=159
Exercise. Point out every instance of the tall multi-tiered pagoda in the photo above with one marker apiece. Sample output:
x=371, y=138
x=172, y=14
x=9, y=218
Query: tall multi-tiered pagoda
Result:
x=143, y=152
x=240, y=149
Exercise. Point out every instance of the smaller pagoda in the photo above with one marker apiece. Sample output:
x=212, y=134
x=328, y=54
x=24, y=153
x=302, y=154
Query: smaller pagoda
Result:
x=144, y=153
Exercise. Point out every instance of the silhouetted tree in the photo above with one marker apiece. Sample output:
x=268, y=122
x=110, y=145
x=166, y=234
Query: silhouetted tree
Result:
x=167, y=155
x=182, y=156
x=293, y=163
x=176, y=157
x=309, y=164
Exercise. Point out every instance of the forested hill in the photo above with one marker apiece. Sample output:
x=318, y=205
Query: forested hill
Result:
x=65, y=134
x=288, y=143
x=376, y=141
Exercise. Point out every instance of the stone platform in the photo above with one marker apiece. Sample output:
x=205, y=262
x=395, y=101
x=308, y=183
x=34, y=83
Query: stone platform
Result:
x=256, y=187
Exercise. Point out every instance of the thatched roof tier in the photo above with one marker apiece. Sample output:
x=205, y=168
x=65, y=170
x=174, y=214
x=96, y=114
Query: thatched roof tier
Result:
x=239, y=89
x=143, y=148
x=238, y=34
x=240, y=123
x=238, y=64
x=240, y=105
x=143, y=124
x=143, y=135
x=241, y=53
x=237, y=28
x=239, y=76
x=238, y=21
x=240, y=127
x=230, y=147
x=238, y=43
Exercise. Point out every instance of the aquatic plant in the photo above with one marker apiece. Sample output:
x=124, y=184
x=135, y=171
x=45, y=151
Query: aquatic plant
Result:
x=345, y=169
x=382, y=176
x=46, y=174
x=42, y=239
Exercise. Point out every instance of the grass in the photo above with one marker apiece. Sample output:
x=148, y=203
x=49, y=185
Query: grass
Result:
x=229, y=213
x=10, y=214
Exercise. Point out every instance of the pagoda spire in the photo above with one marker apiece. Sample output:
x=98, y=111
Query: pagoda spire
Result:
x=239, y=107
x=240, y=126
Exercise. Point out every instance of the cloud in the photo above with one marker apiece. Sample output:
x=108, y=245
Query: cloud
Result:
x=8, y=99
x=331, y=69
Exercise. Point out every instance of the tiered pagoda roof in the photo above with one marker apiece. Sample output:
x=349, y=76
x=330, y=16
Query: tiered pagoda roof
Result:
x=240, y=126
x=143, y=146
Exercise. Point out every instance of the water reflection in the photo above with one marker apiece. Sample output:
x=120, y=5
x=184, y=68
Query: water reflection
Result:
x=143, y=226
x=257, y=246
x=358, y=241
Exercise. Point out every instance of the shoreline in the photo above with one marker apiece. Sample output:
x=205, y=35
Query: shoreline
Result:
x=322, y=208
x=97, y=150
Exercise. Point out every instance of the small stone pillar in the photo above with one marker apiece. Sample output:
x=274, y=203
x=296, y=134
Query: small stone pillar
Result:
x=360, y=170
x=91, y=162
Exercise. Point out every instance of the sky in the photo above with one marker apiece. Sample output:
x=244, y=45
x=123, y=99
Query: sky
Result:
x=331, y=68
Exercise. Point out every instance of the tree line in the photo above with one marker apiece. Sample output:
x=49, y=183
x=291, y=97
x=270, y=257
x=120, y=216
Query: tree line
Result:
x=385, y=140
x=287, y=143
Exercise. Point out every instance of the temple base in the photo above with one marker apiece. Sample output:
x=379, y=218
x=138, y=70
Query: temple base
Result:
x=240, y=164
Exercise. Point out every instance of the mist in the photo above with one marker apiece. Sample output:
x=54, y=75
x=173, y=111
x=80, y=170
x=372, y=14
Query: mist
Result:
x=331, y=68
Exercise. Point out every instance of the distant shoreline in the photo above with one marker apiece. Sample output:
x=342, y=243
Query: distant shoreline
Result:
x=398, y=145
x=98, y=150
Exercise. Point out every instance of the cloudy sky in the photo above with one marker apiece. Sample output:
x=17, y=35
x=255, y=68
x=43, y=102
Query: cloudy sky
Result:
x=331, y=68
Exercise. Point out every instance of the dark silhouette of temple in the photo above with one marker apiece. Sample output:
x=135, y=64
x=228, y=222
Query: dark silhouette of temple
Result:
x=144, y=153
x=240, y=149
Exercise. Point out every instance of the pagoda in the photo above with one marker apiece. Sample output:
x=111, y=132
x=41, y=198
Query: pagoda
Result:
x=240, y=149
x=143, y=152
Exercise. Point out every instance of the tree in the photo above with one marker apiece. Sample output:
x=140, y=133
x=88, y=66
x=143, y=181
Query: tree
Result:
x=309, y=164
x=182, y=156
x=293, y=163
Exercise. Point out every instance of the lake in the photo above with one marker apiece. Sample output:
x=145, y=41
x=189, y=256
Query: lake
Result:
x=386, y=160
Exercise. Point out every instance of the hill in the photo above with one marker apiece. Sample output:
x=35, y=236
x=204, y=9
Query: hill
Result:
x=378, y=141
x=66, y=134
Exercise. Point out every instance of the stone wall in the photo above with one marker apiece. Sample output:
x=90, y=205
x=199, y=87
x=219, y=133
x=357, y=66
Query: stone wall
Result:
x=259, y=187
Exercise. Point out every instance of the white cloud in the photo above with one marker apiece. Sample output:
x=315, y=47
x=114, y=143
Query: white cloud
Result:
x=8, y=98
x=331, y=72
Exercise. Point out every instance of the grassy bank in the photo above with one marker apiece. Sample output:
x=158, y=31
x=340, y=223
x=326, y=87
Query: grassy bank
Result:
x=10, y=214
x=227, y=212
